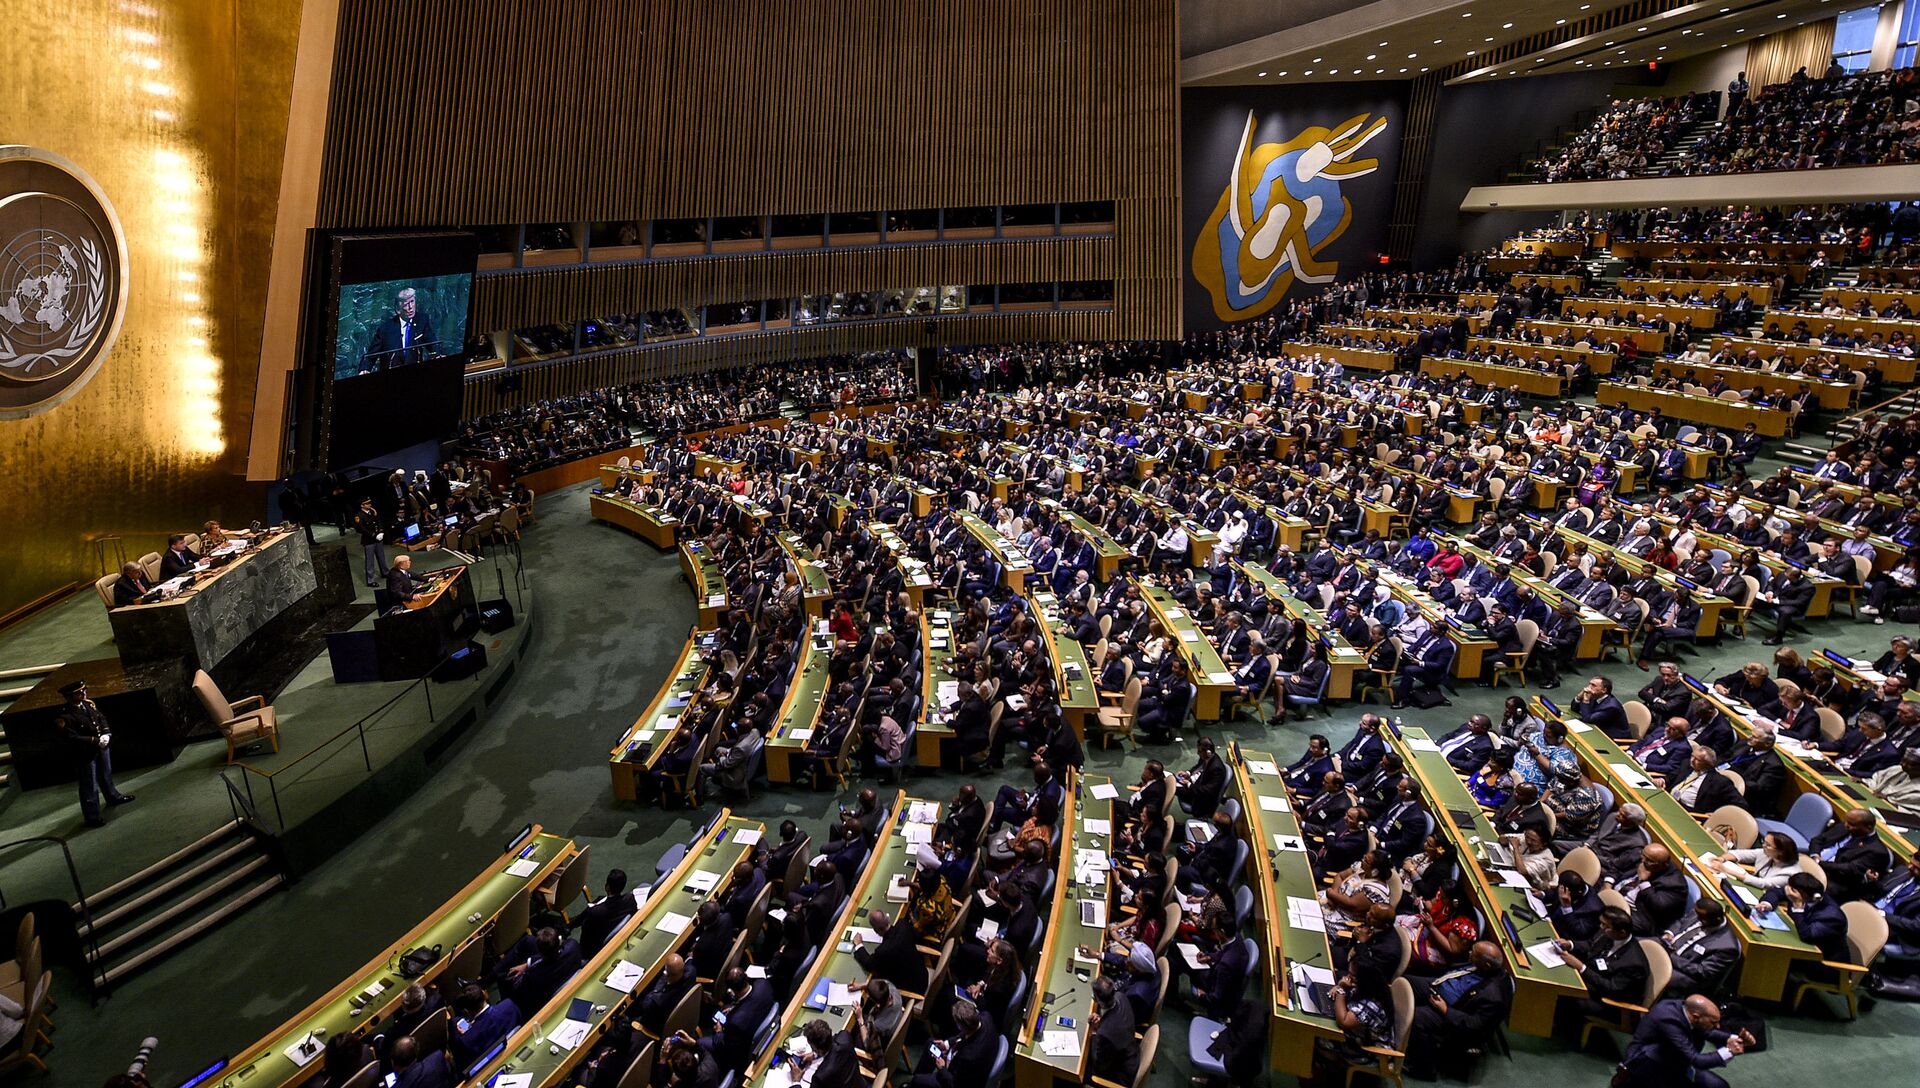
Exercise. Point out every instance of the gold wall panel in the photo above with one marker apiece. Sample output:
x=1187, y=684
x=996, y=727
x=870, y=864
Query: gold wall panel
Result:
x=527, y=111
x=178, y=109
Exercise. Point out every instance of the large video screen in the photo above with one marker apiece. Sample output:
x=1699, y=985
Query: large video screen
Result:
x=394, y=323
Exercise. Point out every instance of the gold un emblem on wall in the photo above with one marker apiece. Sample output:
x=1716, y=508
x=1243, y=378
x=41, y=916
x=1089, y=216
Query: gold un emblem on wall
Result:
x=63, y=285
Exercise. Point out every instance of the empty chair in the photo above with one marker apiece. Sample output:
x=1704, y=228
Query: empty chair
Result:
x=250, y=720
x=1809, y=816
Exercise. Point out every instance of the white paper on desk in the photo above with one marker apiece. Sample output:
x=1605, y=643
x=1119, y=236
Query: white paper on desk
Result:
x=1290, y=842
x=1546, y=952
x=1310, y=922
x=1273, y=802
x=303, y=1050
x=1301, y=905
x=1060, y=1043
x=1091, y=859
x=1631, y=775
x=1078, y=958
x=755, y=970
x=1422, y=744
x=1097, y=827
x=865, y=933
x=513, y=1080
x=1511, y=879
x=665, y=723
x=917, y=833
x=1191, y=953
x=1578, y=726
x=1262, y=766
x=1189, y=636
x=838, y=995
x=989, y=929
x=923, y=812
x=778, y=914
x=746, y=836
x=523, y=868
x=802, y=735
x=897, y=889
x=1315, y=974
x=715, y=600
x=570, y=1034
x=624, y=976
x=985, y=897
x=677, y=923
x=1106, y=791
x=702, y=882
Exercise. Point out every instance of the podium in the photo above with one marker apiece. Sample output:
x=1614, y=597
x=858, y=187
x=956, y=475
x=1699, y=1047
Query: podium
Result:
x=416, y=636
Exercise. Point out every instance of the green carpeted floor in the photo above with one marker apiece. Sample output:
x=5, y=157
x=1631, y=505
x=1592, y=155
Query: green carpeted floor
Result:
x=614, y=613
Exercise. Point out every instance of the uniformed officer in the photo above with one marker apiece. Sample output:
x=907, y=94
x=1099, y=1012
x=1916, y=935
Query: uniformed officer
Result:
x=88, y=736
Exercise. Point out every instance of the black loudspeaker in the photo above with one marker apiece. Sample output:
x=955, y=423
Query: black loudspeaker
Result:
x=495, y=616
x=466, y=661
x=355, y=656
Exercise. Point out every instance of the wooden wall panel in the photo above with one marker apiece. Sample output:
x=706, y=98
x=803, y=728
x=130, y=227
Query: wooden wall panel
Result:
x=518, y=299
x=528, y=111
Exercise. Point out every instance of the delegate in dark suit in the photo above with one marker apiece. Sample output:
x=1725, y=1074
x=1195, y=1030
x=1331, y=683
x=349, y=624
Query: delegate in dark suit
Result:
x=896, y=959
x=1474, y=1000
x=396, y=343
x=1665, y=1051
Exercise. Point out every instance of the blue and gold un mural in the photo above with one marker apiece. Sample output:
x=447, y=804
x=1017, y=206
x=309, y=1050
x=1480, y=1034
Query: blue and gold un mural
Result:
x=1288, y=202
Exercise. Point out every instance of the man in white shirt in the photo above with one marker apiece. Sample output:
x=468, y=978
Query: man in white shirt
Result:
x=1900, y=785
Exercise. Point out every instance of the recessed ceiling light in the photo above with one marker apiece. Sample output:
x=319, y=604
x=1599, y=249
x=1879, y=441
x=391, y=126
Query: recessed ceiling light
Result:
x=1506, y=26
x=1472, y=52
x=1559, y=22
x=1489, y=39
x=1423, y=69
x=1370, y=56
x=1411, y=56
x=1403, y=69
x=1466, y=15
x=1379, y=71
x=1316, y=60
x=1782, y=15
x=1640, y=30
x=1383, y=45
x=1283, y=73
x=1663, y=49
x=1263, y=75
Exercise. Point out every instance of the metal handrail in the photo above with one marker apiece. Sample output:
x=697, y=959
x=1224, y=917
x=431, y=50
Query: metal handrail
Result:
x=358, y=729
x=96, y=972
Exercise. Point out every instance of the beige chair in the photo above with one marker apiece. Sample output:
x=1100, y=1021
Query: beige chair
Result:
x=150, y=563
x=1736, y=823
x=245, y=722
x=1581, y=860
x=1515, y=664
x=103, y=585
x=1866, y=936
x=1832, y=725
x=639, y=1072
x=1626, y=1015
x=1639, y=718
x=35, y=1029
x=1112, y=721
x=1387, y=1061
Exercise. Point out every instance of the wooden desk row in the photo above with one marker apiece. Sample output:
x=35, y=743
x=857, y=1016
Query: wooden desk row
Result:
x=1211, y=677
x=1728, y=415
x=1534, y=383
x=1647, y=341
x=1597, y=360
x=1352, y=358
x=1834, y=395
x=493, y=908
x=1088, y=822
x=1700, y=317
x=1712, y=606
x=1344, y=660
x=1900, y=369
x=1760, y=293
x=649, y=522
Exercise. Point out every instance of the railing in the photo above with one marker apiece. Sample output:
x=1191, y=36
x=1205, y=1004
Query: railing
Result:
x=83, y=918
x=1844, y=442
x=292, y=773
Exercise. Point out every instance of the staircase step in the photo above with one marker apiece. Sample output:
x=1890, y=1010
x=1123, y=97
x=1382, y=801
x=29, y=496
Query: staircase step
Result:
x=159, y=892
x=139, y=879
x=204, y=924
x=203, y=896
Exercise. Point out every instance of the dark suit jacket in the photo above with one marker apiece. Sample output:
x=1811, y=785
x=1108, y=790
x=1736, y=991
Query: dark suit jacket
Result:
x=659, y=999
x=598, y=921
x=1847, y=878
x=1623, y=977
x=1666, y=1048
x=1764, y=774
x=971, y=1059
x=733, y=1042
x=173, y=564
x=384, y=350
x=1202, y=793
x=896, y=959
x=1475, y=1013
x=541, y=981
x=1708, y=960
x=840, y=1066
x=1112, y=1052
x=1659, y=905
x=1716, y=789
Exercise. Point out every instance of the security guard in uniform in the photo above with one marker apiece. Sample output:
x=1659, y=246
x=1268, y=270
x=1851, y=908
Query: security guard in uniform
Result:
x=88, y=736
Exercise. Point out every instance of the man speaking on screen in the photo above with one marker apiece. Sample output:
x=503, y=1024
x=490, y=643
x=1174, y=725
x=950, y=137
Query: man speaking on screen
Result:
x=406, y=337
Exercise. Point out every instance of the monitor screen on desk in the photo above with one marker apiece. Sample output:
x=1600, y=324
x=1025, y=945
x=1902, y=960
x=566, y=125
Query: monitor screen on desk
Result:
x=413, y=531
x=451, y=520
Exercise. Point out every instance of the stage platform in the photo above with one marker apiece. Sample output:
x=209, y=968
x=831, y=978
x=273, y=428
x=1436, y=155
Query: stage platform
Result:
x=309, y=800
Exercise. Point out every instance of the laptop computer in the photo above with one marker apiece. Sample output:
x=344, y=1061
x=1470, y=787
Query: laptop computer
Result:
x=412, y=534
x=1093, y=913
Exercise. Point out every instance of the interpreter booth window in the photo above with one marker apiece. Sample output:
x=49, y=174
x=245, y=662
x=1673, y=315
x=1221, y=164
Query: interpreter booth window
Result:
x=617, y=240
x=1026, y=296
x=679, y=237
x=499, y=245
x=799, y=231
x=550, y=243
x=542, y=342
x=853, y=228
x=914, y=226
x=739, y=234
x=1029, y=220
x=963, y=224
x=1087, y=217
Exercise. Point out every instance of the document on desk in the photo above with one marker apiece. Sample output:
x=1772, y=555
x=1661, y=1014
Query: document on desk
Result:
x=1422, y=744
x=916, y=833
x=702, y=882
x=716, y=600
x=1578, y=726
x=923, y=812
x=898, y=889
x=839, y=996
x=1262, y=766
x=524, y=868
x=1547, y=953
x=1096, y=827
x=570, y=1034
x=513, y=1080
x=624, y=977
x=746, y=836
x=1106, y=791
x=676, y=923
x=1511, y=879
x=1273, y=802
x=801, y=735
x=1191, y=953
x=1060, y=1043
x=865, y=933
x=1631, y=775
